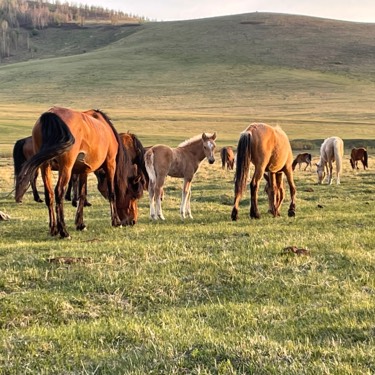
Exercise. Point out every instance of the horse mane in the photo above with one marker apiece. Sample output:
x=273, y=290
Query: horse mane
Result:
x=140, y=155
x=194, y=139
x=122, y=159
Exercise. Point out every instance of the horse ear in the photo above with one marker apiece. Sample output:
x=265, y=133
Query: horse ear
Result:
x=214, y=136
x=204, y=137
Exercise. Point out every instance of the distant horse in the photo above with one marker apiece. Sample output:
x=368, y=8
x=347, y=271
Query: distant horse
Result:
x=227, y=157
x=79, y=142
x=135, y=151
x=268, y=149
x=331, y=150
x=22, y=151
x=359, y=154
x=182, y=162
x=302, y=158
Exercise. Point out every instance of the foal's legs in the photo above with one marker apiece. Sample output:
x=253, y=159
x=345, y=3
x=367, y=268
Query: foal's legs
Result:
x=151, y=194
x=185, y=201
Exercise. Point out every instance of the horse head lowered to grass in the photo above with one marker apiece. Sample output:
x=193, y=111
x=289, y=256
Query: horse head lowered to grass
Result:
x=269, y=150
x=81, y=143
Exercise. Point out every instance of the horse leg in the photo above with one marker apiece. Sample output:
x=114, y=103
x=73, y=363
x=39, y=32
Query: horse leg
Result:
x=49, y=197
x=68, y=194
x=272, y=193
x=188, y=209
x=254, y=188
x=158, y=199
x=81, y=191
x=110, y=174
x=329, y=169
x=292, y=188
x=34, y=189
x=151, y=194
x=62, y=183
x=280, y=194
x=185, y=199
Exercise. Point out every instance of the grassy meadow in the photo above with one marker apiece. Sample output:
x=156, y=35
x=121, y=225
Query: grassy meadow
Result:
x=204, y=296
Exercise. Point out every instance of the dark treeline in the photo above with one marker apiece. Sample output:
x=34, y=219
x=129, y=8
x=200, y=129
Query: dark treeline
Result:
x=19, y=17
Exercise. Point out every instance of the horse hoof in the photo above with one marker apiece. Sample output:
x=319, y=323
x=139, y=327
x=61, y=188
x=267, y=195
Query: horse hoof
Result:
x=291, y=213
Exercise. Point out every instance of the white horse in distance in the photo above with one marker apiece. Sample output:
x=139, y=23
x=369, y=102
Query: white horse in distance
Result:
x=331, y=150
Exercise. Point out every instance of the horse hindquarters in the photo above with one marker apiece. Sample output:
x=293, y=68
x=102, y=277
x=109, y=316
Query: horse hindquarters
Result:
x=154, y=191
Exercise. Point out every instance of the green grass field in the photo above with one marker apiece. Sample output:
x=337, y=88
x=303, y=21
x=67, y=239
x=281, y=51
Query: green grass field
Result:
x=208, y=295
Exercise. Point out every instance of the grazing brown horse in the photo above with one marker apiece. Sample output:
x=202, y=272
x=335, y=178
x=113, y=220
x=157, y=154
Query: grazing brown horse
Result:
x=359, y=154
x=22, y=151
x=79, y=142
x=139, y=180
x=182, y=162
x=227, y=158
x=268, y=148
x=302, y=158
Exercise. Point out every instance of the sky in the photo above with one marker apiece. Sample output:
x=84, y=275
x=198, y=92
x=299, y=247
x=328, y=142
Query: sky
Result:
x=170, y=10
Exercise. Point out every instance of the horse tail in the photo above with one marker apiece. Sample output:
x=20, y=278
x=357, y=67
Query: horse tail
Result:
x=294, y=163
x=18, y=156
x=365, y=158
x=242, y=169
x=224, y=156
x=56, y=139
x=149, y=163
x=140, y=157
x=338, y=151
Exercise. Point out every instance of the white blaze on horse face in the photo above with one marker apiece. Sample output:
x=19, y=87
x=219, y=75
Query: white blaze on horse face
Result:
x=211, y=151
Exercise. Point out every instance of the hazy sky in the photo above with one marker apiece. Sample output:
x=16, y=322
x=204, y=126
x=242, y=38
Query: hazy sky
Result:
x=167, y=10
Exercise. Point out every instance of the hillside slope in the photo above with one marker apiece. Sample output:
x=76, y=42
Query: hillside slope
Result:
x=218, y=73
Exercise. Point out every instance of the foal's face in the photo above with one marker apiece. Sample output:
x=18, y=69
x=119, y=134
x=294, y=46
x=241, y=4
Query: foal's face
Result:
x=321, y=172
x=209, y=146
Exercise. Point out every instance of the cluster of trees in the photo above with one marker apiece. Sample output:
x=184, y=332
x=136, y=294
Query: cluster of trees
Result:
x=16, y=15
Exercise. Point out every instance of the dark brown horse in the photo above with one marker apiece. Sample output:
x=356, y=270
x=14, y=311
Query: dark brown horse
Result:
x=302, y=158
x=359, y=154
x=22, y=151
x=268, y=148
x=139, y=181
x=227, y=158
x=79, y=142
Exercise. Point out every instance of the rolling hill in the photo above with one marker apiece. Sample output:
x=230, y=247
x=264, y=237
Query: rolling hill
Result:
x=310, y=75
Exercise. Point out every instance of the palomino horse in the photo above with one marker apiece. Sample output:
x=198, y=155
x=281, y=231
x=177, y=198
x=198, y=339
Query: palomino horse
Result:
x=359, y=154
x=139, y=181
x=79, y=142
x=268, y=148
x=181, y=162
x=22, y=151
x=331, y=150
x=302, y=158
x=227, y=157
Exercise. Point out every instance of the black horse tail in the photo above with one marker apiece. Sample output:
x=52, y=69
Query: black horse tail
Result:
x=295, y=161
x=18, y=157
x=224, y=156
x=365, y=159
x=242, y=170
x=56, y=139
